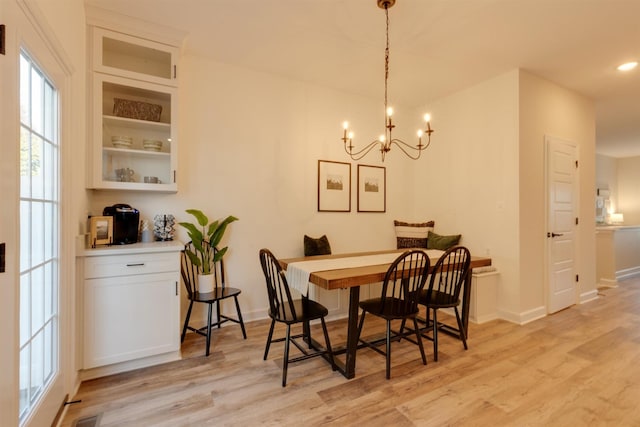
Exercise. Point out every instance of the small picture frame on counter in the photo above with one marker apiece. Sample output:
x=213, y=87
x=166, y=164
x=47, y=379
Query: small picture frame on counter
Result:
x=101, y=230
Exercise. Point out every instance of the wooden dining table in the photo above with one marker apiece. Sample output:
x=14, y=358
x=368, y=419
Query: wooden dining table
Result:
x=352, y=278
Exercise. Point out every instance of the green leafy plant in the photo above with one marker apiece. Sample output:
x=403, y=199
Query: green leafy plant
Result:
x=207, y=232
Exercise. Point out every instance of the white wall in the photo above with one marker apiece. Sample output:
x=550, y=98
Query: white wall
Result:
x=470, y=177
x=628, y=193
x=484, y=178
x=548, y=109
x=249, y=143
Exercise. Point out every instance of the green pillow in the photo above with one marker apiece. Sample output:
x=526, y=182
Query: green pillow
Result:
x=435, y=241
x=319, y=246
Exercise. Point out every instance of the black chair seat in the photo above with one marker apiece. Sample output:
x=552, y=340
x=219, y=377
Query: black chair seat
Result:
x=390, y=308
x=438, y=299
x=217, y=294
x=304, y=310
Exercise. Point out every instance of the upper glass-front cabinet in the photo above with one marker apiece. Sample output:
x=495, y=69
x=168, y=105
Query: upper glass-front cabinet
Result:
x=133, y=57
x=134, y=104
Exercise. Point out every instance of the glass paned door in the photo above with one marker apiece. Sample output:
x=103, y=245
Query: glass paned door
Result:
x=39, y=229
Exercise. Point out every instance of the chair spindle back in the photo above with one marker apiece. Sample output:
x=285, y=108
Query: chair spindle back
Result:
x=404, y=280
x=280, y=301
x=449, y=274
x=190, y=271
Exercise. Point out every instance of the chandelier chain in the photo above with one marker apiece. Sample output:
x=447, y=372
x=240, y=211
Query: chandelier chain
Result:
x=386, y=60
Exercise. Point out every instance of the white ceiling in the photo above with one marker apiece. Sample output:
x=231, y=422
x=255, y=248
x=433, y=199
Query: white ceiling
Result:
x=437, y=46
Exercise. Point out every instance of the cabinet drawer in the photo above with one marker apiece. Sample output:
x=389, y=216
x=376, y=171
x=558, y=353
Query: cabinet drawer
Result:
x=127, y=265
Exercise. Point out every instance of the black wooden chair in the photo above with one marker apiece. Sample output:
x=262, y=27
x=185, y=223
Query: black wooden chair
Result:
x=220, y=292
x=398, y=300
x=447, y=278
x=284, y=309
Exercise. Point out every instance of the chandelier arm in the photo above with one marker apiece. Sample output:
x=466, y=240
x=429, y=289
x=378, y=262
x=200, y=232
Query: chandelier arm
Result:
x=403, y=146
x=361, y=153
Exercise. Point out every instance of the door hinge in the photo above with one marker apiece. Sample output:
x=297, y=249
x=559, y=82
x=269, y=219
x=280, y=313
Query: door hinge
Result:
x=2, y=39
x=175, y=71
x=576, y=164
x=577, y=278
x=577, y=221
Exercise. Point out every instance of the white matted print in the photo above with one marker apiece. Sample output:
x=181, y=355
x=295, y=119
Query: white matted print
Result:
x=334, y=186
x=372, y=188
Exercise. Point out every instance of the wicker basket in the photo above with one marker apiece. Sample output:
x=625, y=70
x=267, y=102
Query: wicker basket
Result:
x=136, y=110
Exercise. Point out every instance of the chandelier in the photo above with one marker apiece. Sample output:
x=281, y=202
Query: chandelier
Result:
x=384, y=142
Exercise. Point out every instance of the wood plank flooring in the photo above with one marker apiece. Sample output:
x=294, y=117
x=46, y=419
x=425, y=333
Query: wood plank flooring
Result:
x=578, y=367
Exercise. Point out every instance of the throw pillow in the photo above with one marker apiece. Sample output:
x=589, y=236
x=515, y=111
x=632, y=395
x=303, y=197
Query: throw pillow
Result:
x=412, y=235
x=319, y=246
x=435, y=241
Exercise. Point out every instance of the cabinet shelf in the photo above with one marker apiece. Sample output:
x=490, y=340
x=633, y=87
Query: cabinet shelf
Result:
x=135, y=152
x=124, y=122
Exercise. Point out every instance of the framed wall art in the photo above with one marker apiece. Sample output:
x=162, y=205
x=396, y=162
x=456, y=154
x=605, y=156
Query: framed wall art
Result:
x=334, y=186
x=101, y=230
x=372, y=188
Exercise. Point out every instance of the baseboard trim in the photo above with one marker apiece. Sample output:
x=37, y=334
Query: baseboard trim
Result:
x=588, y=296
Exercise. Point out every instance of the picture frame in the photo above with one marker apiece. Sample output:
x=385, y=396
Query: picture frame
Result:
x=334, y=186
x=101, y=230
x=372, y=188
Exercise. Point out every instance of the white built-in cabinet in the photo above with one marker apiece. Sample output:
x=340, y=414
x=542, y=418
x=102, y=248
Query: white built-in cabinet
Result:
x=135, y=70
x=131, y=310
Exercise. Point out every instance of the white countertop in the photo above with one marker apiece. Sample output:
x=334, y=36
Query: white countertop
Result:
x=135, y=248
x=616, y=227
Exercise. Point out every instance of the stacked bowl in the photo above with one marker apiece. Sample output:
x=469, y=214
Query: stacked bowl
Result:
x=152, y=145
x=121, y=141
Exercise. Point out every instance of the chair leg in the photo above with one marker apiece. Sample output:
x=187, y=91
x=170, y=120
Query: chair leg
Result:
x=244, y=332
x=360, y=325
x=328, y=344
x=186, y=321
x=218, y=314
x=285, y=361
x=419, y=339
x=269, y=337
x=388, y=349
x=402, y=326
x=463, y=335
x=435, y=334
x=209, y=329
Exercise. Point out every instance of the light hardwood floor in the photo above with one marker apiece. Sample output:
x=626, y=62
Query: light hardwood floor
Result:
x=578, y=367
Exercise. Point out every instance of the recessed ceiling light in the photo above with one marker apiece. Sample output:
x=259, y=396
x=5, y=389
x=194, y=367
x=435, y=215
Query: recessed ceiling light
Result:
x=628, y=66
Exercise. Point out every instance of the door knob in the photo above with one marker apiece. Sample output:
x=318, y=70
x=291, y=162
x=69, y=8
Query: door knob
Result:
x=554, y=234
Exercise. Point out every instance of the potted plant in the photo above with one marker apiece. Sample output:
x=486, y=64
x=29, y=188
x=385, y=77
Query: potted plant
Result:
x=210, y=233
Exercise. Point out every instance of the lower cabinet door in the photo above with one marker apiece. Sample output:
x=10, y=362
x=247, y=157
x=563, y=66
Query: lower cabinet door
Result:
x=130, y=317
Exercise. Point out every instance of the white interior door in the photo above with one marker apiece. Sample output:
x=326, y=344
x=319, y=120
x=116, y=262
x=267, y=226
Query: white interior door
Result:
x=561, y=164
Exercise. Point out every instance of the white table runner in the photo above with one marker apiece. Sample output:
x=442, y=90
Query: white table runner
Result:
x=298, y=272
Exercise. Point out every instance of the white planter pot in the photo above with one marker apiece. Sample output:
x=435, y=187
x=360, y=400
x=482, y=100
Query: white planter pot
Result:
x=205, y=283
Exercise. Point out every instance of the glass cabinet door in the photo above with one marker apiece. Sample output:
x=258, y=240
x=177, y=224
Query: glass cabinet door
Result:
x=132, y=57
x=134, y=137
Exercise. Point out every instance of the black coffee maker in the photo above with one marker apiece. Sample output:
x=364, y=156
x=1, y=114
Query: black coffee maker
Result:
x=125, y=223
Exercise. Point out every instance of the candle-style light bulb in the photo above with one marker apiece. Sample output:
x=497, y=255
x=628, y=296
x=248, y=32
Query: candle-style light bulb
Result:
x=345, y=125
x=350, y=135
x=420, y=133
x=427, y=117
x=382, y=138
x=389, y=112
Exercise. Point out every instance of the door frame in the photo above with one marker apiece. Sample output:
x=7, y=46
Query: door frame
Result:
x=27, y=26
x=548, y=140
